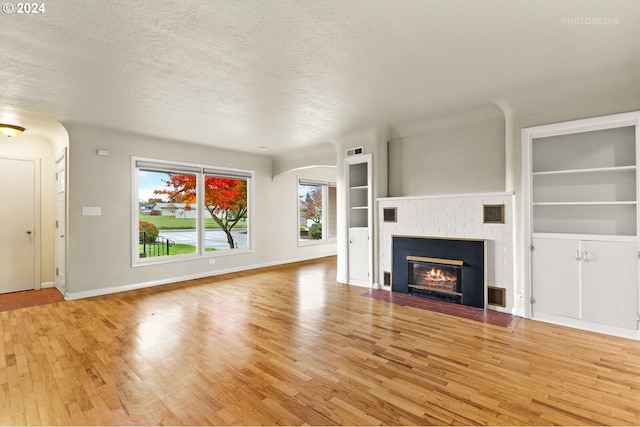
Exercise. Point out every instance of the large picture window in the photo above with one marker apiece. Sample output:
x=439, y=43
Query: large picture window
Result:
x=186, y=211
x=317, y=211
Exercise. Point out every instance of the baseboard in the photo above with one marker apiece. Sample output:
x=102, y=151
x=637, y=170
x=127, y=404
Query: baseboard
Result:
x=165, y=281
x=633, y=334
x=45, y=285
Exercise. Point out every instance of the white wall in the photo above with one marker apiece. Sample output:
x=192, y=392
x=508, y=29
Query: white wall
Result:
x=100, y=246
x=323, y=154
x=452, y=158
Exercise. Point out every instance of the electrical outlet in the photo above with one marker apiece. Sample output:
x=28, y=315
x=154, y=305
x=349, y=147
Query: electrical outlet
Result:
x=212, y=260
x=520, y=296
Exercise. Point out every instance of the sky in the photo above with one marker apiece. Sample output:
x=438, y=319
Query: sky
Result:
x=149, y=181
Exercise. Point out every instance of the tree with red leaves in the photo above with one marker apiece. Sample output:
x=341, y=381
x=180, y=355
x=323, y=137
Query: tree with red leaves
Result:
x=225, y=198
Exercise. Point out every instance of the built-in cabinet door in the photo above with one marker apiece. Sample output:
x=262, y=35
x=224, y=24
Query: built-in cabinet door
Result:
x=610, y=283
x=359, y=256
x=359, y=179
x=555, y=277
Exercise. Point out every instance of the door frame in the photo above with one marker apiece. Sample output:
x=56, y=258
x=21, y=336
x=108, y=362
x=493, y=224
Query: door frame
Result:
x=36, y=214
x=63, y=157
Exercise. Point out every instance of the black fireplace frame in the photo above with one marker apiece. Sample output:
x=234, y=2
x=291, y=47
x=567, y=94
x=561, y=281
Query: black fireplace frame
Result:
x=470, y=251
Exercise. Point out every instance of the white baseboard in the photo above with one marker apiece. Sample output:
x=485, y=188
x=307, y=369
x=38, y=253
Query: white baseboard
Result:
x=45, y=285
x=617, y=331
x=164, y=281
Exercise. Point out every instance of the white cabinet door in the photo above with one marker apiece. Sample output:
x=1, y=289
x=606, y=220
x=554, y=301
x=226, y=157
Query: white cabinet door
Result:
x=555, y=277
x=359, y=256
x=610, y=283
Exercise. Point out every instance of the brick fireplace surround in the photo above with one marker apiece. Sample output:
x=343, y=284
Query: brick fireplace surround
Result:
x=454, y=216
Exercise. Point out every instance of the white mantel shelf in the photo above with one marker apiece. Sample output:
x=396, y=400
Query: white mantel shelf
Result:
x=446, y=196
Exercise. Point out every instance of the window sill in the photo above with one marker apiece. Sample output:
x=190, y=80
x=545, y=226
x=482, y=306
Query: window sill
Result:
x=143, y=262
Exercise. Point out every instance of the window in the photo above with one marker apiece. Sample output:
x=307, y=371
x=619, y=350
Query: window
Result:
x=186, y=211
x=317, y=211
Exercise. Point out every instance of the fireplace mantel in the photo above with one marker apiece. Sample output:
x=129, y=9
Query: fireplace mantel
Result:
x=454, y=216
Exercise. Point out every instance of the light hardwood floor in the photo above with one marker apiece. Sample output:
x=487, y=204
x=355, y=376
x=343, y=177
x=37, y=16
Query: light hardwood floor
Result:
x=288, y=345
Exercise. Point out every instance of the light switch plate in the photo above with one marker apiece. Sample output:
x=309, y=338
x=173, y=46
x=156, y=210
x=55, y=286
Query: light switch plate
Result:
x=91, y=211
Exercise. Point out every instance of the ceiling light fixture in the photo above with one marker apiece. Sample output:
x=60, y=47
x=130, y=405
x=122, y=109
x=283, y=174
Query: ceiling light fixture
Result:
x=11, y=130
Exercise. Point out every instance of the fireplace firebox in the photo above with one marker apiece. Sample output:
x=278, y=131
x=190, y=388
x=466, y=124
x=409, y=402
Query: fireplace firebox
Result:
x=435, y=278
x=451, y=270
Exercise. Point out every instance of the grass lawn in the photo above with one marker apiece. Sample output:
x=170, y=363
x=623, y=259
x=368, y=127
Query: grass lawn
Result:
x=171, y=223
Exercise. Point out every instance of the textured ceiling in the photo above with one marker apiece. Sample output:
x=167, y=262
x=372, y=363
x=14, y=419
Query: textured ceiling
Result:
x=290, y=73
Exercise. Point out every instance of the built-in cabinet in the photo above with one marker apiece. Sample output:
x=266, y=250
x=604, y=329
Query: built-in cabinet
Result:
x=580, y=197
x=359, y=183
x=594, y=281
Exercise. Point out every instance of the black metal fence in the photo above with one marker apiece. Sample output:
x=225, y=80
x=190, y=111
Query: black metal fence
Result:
x=158, y=247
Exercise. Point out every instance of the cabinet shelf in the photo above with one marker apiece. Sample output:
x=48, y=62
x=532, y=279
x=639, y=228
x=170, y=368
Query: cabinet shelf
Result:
x=585, y=171
x=596, y=218
x=614, y=203
x=582, y=236
x=616, y=185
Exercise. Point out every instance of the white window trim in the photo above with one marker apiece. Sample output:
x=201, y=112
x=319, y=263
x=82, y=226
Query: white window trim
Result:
x=200, y=170
x=325, y=196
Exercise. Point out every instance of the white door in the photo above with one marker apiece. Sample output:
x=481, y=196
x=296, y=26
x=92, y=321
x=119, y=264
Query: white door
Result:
x=18, y=240
x=60, y=233
x=610, y=283
x=359, y=256
x=555, y=277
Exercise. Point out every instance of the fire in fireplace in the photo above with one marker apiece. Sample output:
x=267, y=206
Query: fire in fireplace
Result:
x=464, y=258
x=435, y=278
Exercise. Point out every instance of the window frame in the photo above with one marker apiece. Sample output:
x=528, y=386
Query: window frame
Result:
x=325, y=214
x=200, y=171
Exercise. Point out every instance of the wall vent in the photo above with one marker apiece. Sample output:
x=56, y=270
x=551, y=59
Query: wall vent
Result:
x=497, y=296
x=355, y=151
x=386, y=278
x=389, y=214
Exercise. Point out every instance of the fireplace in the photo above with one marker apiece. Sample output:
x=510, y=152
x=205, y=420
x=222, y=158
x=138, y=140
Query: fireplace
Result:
x=451, y=270
x=435, y=278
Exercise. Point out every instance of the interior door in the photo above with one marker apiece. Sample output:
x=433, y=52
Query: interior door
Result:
x=60, y=231
x=555, y=277
x=18, y=242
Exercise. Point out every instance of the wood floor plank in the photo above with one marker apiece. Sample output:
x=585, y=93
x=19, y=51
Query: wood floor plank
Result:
x=289, y=345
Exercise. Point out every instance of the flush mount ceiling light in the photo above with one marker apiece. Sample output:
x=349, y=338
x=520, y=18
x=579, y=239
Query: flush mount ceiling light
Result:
x=11, y=130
